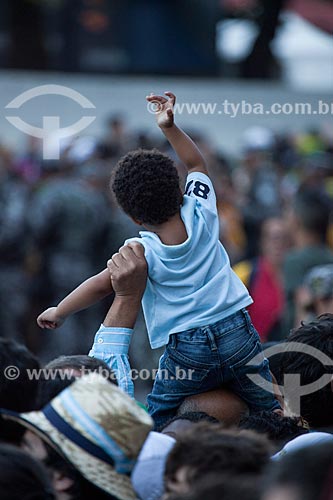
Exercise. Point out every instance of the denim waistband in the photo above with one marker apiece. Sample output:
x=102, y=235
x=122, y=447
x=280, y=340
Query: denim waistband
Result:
x=239, y=319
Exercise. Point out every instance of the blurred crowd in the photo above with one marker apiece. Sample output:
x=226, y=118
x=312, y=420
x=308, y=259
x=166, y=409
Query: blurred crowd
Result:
x=59, y=225
x=80, y=436
x=72, y=434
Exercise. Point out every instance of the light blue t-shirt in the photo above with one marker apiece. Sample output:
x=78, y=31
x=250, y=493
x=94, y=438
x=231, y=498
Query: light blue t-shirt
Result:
x=192, y=284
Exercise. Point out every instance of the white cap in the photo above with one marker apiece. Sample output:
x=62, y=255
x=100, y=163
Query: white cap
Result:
x=148, y=473
x=303, y=441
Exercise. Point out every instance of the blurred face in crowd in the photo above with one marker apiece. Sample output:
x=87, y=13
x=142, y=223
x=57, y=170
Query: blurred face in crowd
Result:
x=253, y=160
x=35, y=446
x=274, y=240
x=117, y=128
x=292, y=224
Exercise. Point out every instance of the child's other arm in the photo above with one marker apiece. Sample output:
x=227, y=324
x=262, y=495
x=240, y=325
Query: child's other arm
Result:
x=88, y=293
x=183, y=145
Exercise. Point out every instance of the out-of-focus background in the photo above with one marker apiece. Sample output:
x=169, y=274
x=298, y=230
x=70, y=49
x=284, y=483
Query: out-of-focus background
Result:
x=58, y=223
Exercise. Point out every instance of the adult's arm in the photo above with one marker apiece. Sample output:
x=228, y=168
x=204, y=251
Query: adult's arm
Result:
x=128, y=273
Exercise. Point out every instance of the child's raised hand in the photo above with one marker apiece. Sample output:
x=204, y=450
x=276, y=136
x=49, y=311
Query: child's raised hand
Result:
x=163, y=108
x=50, y=319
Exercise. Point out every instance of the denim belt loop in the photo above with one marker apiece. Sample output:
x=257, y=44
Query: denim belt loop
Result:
x=247, y=318
x=211, y=338
x=173, y=341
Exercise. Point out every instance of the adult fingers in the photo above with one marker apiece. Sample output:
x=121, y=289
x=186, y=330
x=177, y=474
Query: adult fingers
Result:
x=117, y=259
x=133, y=249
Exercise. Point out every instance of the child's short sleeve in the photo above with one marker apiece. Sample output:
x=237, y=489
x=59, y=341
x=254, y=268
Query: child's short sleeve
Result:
x=199, y=185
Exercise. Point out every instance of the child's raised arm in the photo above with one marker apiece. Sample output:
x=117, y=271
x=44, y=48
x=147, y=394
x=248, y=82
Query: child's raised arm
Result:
x=183, y=145
x=88, y=293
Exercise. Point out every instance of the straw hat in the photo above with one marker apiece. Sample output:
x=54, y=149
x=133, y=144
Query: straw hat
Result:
x=97, y=427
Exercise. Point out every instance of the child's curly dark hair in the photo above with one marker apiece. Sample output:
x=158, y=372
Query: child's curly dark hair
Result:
x=146, y=186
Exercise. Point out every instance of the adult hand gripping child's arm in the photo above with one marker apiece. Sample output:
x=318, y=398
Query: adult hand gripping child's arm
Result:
x=128, y=272
x=183, y=145
x=88, y=293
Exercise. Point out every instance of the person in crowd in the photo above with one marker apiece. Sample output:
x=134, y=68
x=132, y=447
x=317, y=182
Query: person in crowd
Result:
x=89, y=436
x=260, y=63
x=278, y=428
x=180, y=261
x=27, y=165
x=117, y=139
x=209, y=448
x=308, y=223
x=129, y=281
x=263, y=278
x=78, y=365
x=232, y=233
x=51, y=385
x=68, y=222
x=315, y=296
x=257, y=185
x=63, y=371
x=305, y=474
x=316, y=407
x=18, y=385
x=13, y=249
x=22, y=477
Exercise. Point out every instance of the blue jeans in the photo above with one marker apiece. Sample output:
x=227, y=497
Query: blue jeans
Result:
x=206, y=358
